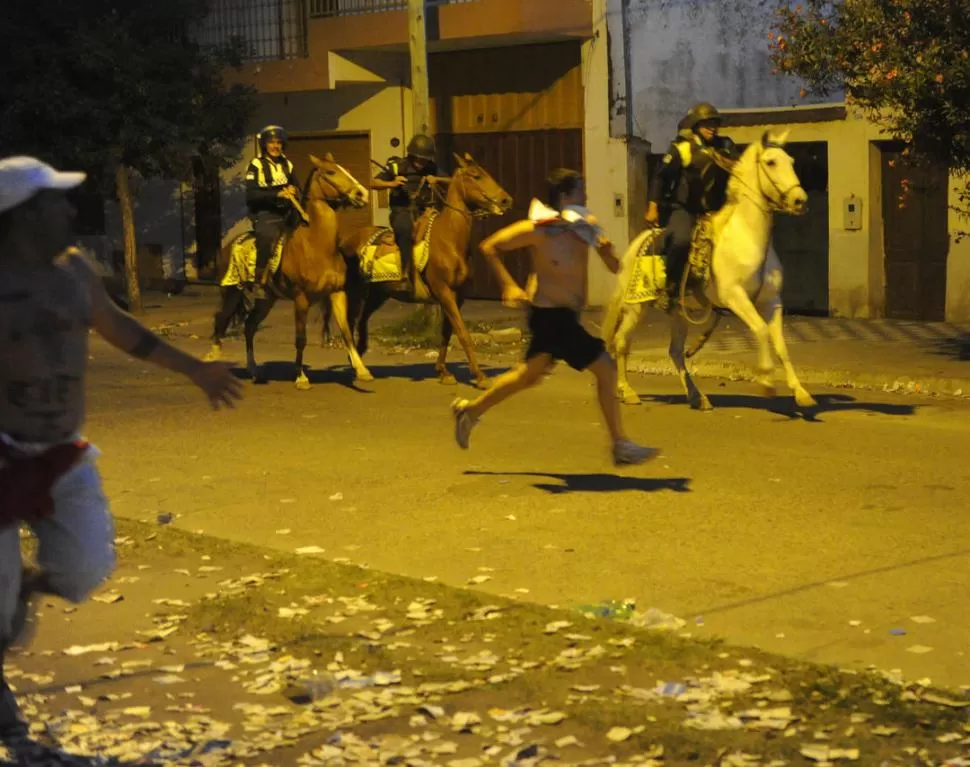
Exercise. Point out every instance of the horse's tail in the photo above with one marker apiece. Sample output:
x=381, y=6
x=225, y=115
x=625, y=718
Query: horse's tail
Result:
x=705, y=336
x=613, y=310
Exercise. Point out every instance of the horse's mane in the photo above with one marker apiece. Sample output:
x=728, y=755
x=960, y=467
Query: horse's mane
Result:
x=305, y=191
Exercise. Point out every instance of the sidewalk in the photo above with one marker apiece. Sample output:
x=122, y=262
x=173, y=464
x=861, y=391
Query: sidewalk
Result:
x=205, y=652
x=902, y=356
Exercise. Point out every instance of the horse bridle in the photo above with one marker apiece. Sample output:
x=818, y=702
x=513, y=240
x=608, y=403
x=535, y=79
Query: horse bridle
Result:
x=342, y=196
x=477, y=213
x=771, y=205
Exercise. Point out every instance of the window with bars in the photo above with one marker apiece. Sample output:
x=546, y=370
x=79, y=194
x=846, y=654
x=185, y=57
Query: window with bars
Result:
x=325, y=8
x=267, y=29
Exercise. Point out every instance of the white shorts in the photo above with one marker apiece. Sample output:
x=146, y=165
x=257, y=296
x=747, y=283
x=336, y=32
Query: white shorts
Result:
x=75, y=544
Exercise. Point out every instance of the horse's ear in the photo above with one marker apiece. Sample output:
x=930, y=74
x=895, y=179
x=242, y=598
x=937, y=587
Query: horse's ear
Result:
x=328, y=157
x=316, y=160
x=469, y=159
x=459, y=160
x=775, y=137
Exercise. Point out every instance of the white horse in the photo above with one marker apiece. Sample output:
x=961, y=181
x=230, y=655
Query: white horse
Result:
x=746, y=274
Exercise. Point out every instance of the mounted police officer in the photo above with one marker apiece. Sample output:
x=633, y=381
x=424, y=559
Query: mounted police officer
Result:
x=271, y=188
x=409, y=197
x=692, y=181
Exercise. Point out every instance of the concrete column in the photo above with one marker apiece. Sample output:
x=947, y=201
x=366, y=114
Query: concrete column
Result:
x=605, y=157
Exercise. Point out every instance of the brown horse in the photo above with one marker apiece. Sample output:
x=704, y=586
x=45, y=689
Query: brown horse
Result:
x=446, y=231
x=310, y=268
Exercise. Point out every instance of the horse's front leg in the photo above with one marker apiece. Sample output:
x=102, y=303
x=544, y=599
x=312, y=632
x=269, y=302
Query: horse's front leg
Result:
x=338, y=303
x=259, y=313
x=450, y=306
x=629, y=318
x=737, y=300
x=301, y=308
x=678, y=343
x=774, y=314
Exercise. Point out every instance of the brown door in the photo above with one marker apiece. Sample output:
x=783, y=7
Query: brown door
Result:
x=519, y=161
x=916, y=237
x=352, y=151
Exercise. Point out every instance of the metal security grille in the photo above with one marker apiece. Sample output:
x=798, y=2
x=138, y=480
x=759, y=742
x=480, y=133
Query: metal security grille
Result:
x=267, y=29
x=324, y=8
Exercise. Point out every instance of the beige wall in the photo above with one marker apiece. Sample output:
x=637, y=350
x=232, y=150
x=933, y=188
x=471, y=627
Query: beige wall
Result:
x=384, y=112
x=856, y=272
x=851, y=289
x=605, y=158
x=958, y=260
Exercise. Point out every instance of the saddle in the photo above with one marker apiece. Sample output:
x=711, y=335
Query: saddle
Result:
x=241, y=271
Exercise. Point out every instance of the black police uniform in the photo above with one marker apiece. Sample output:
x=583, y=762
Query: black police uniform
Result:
x=403, y=213
x=689, y=184
x=265, y=178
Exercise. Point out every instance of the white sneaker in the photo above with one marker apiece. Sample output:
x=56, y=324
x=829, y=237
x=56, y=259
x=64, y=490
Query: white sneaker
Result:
x=626, y=453
x=464, y=423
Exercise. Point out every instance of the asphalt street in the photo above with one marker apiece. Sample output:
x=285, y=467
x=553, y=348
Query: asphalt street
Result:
x=822, y=539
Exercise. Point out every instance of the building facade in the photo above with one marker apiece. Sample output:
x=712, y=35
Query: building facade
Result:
x=528, y=85
x=523, y=85
x=856, y=253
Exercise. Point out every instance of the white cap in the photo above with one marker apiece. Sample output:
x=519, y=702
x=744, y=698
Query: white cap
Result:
x=23, y=177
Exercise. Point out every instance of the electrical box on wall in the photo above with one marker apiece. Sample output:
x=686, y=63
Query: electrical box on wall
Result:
x=619, y=206
x=852, y=213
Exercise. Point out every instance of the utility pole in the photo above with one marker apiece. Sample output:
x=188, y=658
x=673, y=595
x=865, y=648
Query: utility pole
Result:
x=418, y=47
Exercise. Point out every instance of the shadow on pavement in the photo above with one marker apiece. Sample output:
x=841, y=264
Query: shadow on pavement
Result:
x=785, y=406
x=955, y=347
x=31, y=752
x=424, y=371
x=285, y=372
x=594, y=483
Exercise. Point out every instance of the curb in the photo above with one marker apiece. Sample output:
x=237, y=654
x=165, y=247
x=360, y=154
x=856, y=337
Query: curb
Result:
x=649, y=364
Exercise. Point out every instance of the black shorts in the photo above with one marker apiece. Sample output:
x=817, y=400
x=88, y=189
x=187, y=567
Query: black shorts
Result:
x=558, y=332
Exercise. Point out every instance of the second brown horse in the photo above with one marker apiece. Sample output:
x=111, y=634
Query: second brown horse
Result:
x=447, y=232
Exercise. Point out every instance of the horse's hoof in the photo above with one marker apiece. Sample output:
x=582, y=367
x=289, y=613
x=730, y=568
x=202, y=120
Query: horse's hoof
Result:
x=483, y=383
x=364, y=377
x=303, y=383
x=805, y=400
x=214, y=354
x=447, y=380
x=703, y=404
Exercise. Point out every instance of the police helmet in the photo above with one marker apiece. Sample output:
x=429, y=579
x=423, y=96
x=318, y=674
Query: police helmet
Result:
x=271, y=132
x=422, y=147
x=701, y=113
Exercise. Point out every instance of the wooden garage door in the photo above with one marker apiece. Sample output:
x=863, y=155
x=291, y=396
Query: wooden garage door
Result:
x=519, y=162
x=350, y=150
x=916, y=238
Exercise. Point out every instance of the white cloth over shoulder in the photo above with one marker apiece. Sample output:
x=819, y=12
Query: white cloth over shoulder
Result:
x=573, y=219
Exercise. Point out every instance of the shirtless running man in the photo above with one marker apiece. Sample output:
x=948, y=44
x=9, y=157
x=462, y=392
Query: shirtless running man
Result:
x=559, y=239
x=50, y=297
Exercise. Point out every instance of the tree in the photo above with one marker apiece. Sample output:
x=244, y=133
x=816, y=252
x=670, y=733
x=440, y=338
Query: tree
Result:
x=118, y=89
x=904, y=62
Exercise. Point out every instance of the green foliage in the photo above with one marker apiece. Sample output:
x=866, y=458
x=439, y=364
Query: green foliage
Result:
x=92, y=83
x=905, y=63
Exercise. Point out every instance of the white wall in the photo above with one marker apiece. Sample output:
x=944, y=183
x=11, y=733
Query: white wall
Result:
x=685, y=51
x=605, y=158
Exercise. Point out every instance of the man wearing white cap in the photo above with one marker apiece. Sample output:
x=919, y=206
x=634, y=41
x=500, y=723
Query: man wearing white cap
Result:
x=50, y=297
